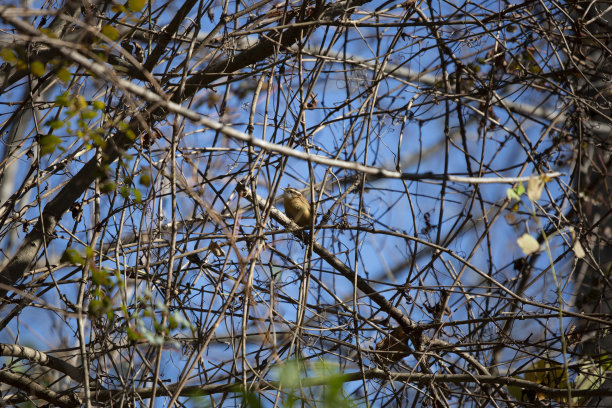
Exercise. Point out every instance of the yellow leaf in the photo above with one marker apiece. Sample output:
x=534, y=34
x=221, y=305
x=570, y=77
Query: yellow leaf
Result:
x=99, y=105
x=111, y=32
x=80, y=103
x=118, y=8
x=64, y=75
x=550, y=374
x=37, y=68
x=8, y=55
x=136, y=5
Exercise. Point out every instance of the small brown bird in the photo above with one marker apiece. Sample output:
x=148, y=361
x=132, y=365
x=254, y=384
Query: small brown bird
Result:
x=393, y=347
x=297, y=207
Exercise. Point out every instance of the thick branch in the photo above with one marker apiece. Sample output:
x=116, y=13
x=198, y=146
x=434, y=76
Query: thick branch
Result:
x=25, y=383
x=413, y=378
x=42, y=359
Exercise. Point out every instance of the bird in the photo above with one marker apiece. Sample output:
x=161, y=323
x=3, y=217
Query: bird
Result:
x=394, y=346
x=297, y=207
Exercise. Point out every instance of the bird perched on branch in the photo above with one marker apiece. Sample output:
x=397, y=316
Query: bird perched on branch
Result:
x=297, y=207
x=394, y=346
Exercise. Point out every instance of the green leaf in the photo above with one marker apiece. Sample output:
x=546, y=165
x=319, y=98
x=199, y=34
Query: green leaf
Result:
x=137, y=195
x=96, y=308
x=8, y=55
x=133, y=335
x=511, y=194
x=48, y=143
x=80, y=103
x=88, y=114
x=99, y=277
x=98, y=105
x=250, y=398
x=111, y=32
x=136, y=5
x=290, y=374
x=605, y=362
x=125, y=192
x=62, y=100
x=98, y=139
x=37, y=68
x=516, y=192
x=181, y=321
x=55, y=124
x=118, y=8
x=145, y=179
x=64, y=75
x=108, y=187
x=72, y=256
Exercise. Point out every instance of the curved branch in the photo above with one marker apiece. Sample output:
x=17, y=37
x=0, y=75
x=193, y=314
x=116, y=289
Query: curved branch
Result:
x=43, y=359
x=25, y=383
